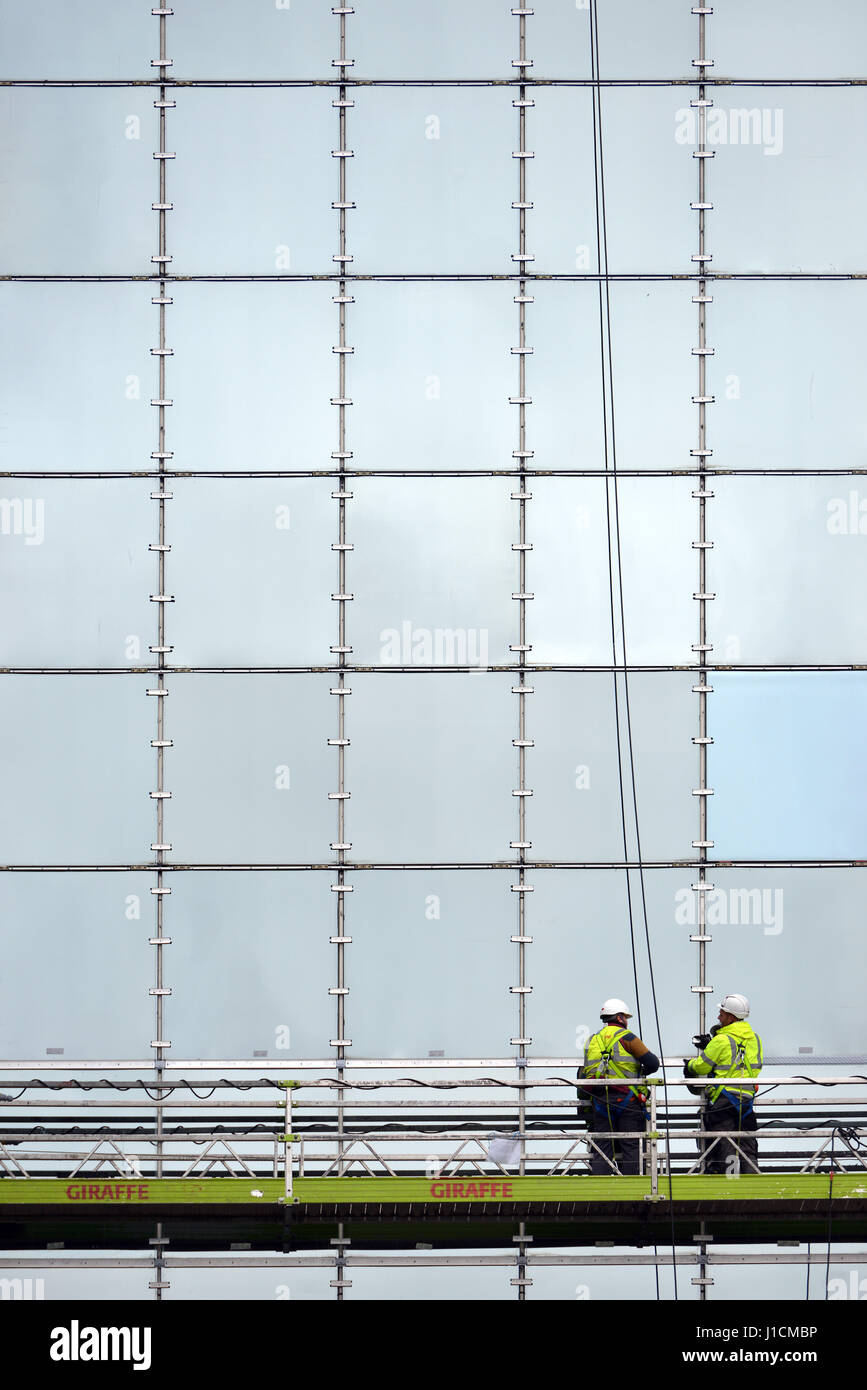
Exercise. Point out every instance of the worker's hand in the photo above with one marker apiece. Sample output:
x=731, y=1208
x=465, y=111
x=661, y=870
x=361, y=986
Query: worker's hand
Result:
x=701, y=1040
x=686, y=1070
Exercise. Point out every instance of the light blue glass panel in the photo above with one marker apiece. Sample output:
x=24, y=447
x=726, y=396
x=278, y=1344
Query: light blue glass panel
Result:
x=635, y=40
x=653, y=331
x=252, y=571
x=575, y=811
x=78, y=769
x=787, y=374
x=250, y=770
x=96, y=38
x=429, y=767
x=77, y=377
x=433, y=572
x=561, y=226
x=253, y=182
x=787, y=765
x=252, y=376
x=77, y=965
x=217, y=38
x=780, y=935
x=564, y=377
x=431, y=376
x=431, y=1285
x=582, y=954
x=432, y=197
x=250, y=964
x=569, y=619
x=84, y=173
x=789, y=554
x=787, y=38
x=75, y=568
x=447, y=41
x=232, y=1285
x=786, y=155
x=430, y=965
x=569, y=1283
x=650, y=180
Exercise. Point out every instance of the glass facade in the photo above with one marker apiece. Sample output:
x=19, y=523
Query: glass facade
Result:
x=433, y=540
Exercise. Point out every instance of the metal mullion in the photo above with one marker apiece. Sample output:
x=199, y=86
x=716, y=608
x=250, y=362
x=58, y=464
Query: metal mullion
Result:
x=340, y=845
x=115, y=475
x=161, y=496
x=451, y=277
x=434, y=82
x=522, y=689
x=702, y=493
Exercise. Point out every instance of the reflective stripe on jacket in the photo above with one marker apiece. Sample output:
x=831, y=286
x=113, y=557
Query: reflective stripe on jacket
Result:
x=734, y=1051
x=605, y=1055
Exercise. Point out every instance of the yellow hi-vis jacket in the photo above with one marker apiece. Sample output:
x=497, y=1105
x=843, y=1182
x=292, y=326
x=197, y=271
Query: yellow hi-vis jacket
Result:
x=734, y=1051
x=605, y=1055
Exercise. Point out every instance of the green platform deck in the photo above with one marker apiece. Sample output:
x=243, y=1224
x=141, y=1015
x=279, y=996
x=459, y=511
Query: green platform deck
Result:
x=384, y=1212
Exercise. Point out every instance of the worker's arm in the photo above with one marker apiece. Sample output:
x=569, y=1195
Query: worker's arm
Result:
x=647, y=1060
x=716, y=1054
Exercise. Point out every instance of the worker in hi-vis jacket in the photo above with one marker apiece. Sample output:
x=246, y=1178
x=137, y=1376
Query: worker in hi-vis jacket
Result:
x=618, y=1053
x=732, y=1052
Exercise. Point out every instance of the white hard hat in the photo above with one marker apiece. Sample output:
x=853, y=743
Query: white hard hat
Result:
x=737, y=1004
x=614, y=1006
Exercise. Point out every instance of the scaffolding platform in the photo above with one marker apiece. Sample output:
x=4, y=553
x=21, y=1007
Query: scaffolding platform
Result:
x=401, y=1212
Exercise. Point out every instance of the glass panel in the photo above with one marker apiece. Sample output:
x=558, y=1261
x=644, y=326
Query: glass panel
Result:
x=77, y=965
x=575, y=810
x=252, y=377
x=788, y=393
x=650, y=180
x=229, y=1285
x=84, y=173
x=429, y=770
x=786, y=156
x=653, y=330
x=250, y=965
x=252, y=571
x=453, y=927
x=620, y=1284
x=285, y=38
x=254, y=179
x=635, y=40
x=74, y=563
x=77, y=377
x=772, y=931
x=78, y=769
x=787, y=38
x=787, y=766
x=582, y=953
x=561, y=228
x=432, y=1284
x=433, y=572
x=432, y=361
x=786, y=551
x=434, y=183
x=447, y=44
x=94, y=38
x=569, y=620
x=250, y=770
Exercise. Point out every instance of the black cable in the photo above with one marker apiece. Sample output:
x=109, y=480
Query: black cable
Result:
x=605, y=329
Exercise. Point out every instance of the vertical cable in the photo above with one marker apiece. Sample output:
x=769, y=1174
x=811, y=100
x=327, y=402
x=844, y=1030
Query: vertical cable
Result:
x=522, y=258
x=615, y=558
x=702, y=689
x=341, y=650
x=160, y=650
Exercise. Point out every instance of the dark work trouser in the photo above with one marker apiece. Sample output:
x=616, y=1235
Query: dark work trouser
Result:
x=723, y=1117
x=616, y=1115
